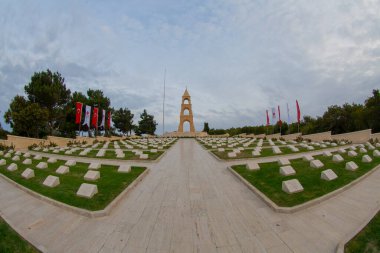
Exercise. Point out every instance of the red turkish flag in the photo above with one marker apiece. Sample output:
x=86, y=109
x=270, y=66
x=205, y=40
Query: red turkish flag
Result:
x=95, y=118
x=279, y=116
x=109, y=120
x=78, y=114
x=298, y=112
x=267, y=118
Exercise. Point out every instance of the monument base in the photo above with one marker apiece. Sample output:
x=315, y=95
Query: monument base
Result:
x=185, y=134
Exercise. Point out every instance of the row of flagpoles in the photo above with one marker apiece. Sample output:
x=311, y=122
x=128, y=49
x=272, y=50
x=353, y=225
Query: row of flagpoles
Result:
x=279, y=115
x=95, y=115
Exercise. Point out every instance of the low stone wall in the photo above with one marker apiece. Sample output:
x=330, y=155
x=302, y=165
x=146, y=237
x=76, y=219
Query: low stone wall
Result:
x=290, y=137
x=376, y=136
x=4, y=142
x=23, y=142
x=60, y=141
x=355, y=137
x=318, y=136
x=260, y=136
x=271, y=136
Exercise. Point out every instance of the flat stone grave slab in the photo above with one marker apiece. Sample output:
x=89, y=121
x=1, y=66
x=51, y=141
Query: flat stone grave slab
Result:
x=287, y=170
x=18, y=153
x=92, y=175
x=51, y=181
x=341, y=151
x=377, y=145
x=52, y=160
x=328, y=175
x=276, y=150
x=327, y=153
x=37, y=157
x=62, y=170
x=153, y=151
x=362, y=150
x=71, y=163
x=352, y=153
x=26, y=155
x=231, y=154
x=337, y=158
x=1, y=153
x=256, y=153
x=283, y=161
x=94, y=166
x=28, y=173
x=3, y=162
x=87, y=190
x=42, y=165
x=334, y=144
x=16, y=158
x=144, y=156
x=220, y=149
x=12, y=167
x=307, y=158
x=27, y=161
x=366, y=159
x=124, y=169
x=310, y=148
x=351, y=166
x=7, y=155
x=316, y=164
x=376, y=153
x=292, y=186
x=252, y=166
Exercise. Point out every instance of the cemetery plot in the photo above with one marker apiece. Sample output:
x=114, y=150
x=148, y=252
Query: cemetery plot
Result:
x=316, y=181
x=241, y=148
x=140, y=149
x=109, y=182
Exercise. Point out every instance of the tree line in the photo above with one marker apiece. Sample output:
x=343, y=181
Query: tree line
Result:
x=337, y=119
x=48, y=108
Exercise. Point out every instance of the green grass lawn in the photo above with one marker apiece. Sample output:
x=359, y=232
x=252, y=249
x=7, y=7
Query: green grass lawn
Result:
x=269, y=181
x=110, y=184
x=367, y=240
x=10, y=241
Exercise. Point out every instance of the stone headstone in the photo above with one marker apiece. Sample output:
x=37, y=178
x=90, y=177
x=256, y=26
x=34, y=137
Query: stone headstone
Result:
x=62, y=170
x=37, y=157
x=52, y=160
x=362, y=150
x=334, y=144
x=3, y=162
x=231, y=154
x=12, y=167
x=94, y=166
x=366, y=159
x=307, y=158
x=27, y=161
x=377, y=145
x=376, y=153
x=220, y=149
x=328, y=175
x=352, y=153
x=351, y=166
x=153, y=151
x=28, y=173
x=144, y=156
x=310, y=148
x=316, y=164
x=256, y=153
x=92, y=175
x=337, y=158
x=283, y=161
x=342, y=151
x=27, y=155
x=8, y=155
x=18, y=153
x=124, y=169
x=16, y=158
x=327, y=153
x=287, y=170
x=276, y=150
x=51, y=181
x=292, y=186
x=42, y=165
x=1, y=153
x=252, y=166
x=87, y=190
x=70, y=163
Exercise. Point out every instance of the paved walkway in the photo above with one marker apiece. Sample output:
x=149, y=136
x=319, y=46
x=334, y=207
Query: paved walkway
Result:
x=191, y=203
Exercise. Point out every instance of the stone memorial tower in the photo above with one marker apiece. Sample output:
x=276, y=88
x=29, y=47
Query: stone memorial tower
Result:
x=186, y=113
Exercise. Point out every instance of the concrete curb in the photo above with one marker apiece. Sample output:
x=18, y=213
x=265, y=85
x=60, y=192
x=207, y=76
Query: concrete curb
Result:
x=77, y=210
x=303, y=206
x=348, y=237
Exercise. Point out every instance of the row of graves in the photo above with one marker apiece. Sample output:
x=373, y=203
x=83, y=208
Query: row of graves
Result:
x=294, y=186
x=231, y=148
x=124, y=149
x=12, y=161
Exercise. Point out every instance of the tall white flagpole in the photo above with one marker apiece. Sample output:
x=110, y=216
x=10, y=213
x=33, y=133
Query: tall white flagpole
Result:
x=163, y=106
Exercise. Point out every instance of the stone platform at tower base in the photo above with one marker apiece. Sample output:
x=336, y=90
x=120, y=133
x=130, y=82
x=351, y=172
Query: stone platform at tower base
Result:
x=185, y=134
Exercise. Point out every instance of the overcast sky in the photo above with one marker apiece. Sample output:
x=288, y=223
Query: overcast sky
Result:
x=237, y=57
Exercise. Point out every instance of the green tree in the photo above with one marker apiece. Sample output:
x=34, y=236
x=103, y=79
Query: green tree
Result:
x=48, y=90
x=27, y=118
x=123, y=120
x=372, y=111
x=147, y=124
x=206, y=128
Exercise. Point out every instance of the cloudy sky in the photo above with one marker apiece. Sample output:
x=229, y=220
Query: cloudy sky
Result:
x=237, y=57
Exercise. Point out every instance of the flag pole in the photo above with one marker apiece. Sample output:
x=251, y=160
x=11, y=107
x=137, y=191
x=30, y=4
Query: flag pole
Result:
x=163, y=106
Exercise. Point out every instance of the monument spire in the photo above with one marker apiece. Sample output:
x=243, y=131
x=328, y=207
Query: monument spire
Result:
x=186, y=112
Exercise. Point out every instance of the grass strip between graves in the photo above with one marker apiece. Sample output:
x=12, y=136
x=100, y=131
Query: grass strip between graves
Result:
x=110, y=184
x=367, y=240
x=10, y=241
x=269, y=180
